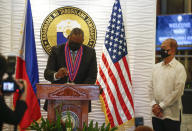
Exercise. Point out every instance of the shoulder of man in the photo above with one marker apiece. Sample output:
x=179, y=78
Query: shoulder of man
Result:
x=87, y=48
x=56, y=48
x=179, y=64
x=60, y=46
x=158, y=64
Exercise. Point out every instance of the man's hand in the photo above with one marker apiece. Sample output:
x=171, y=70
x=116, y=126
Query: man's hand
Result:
x=62, y=72
x=157, y=110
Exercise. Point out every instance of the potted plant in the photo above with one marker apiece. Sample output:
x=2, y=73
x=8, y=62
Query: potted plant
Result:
x=58, y=125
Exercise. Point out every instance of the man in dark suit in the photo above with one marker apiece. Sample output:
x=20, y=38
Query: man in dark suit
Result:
x=72, y=62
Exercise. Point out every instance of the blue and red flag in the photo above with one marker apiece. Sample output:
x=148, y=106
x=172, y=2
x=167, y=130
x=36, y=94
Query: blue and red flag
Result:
x=27, y=69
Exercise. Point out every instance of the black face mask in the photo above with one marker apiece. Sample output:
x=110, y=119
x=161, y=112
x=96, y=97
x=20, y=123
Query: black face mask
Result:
x=164, y=53
x=74, y=46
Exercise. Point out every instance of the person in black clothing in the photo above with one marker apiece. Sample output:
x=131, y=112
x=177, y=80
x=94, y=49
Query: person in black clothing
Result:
x=6, y=114
x=72, y=62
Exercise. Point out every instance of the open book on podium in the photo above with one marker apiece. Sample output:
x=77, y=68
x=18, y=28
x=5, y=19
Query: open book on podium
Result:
x=72, y=98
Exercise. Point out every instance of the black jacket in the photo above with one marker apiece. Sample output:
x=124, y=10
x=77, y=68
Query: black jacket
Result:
x=9, y=116
x=86, y=74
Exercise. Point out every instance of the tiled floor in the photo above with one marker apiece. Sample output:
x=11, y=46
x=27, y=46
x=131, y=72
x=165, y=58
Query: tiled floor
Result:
x=186, y=124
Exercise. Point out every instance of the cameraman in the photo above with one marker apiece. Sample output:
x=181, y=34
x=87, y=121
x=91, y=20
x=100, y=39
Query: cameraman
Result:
x=6, y=114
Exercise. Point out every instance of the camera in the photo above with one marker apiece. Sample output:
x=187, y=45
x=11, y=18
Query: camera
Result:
x=9, y=85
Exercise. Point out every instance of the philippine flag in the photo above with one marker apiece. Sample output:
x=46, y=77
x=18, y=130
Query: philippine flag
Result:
x=27, y=69
x=64, y=29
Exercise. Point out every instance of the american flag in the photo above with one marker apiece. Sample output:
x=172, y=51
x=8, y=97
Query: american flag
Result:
x=114, y=76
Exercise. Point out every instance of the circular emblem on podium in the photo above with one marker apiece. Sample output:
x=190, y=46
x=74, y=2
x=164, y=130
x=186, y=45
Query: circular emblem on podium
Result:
x=73, y=116
x=59, y=23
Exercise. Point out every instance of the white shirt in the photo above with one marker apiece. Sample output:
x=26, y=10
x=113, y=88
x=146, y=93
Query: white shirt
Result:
x=167, y=85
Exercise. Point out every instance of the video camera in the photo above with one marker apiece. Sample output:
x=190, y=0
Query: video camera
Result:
x=9, y=85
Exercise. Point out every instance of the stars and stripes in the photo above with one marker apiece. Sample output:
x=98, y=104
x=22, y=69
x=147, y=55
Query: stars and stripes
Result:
x=114, y=76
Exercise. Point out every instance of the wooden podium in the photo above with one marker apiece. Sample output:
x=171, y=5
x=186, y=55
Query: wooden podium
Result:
x=73, y=98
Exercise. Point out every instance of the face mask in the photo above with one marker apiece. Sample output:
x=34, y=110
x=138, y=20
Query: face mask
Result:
x=164, y=53
x=74, y=46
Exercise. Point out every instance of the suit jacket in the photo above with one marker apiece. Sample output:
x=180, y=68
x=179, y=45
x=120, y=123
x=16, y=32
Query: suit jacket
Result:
x=86, y=74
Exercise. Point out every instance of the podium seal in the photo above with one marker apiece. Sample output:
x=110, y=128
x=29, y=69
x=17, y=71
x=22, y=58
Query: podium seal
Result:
x=74, y=118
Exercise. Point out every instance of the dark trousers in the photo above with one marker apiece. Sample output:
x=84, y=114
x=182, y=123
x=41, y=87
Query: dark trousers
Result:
x=165, y=125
